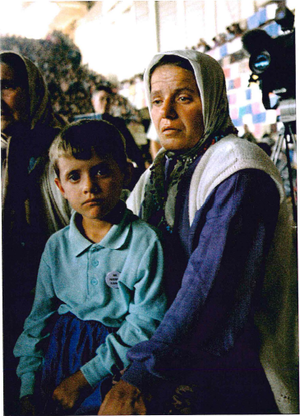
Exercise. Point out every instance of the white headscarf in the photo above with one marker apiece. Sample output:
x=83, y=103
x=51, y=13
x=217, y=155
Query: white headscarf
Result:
x=212, y=88
x=217, y=124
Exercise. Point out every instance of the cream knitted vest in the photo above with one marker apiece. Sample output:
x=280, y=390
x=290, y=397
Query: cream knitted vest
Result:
x=277, y=319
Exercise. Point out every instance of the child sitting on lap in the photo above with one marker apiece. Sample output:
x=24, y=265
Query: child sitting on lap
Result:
x=100, y=280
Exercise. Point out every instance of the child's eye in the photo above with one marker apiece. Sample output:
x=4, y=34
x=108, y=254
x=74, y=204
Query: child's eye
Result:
x=73, y=176
x=102, y=171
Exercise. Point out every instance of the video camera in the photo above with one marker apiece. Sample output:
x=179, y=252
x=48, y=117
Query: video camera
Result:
x=273, y=63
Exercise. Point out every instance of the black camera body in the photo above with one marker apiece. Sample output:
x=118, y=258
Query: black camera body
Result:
x=273, y=64
x=272, y=60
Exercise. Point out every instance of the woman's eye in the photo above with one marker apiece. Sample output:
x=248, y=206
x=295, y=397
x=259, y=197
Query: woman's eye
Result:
x=157, y=101
x=184, y=99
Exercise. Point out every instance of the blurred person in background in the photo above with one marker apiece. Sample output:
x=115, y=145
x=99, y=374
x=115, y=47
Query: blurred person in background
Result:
x=248, y=135
x=102, y=99
x=137, y=129
x=32, y=207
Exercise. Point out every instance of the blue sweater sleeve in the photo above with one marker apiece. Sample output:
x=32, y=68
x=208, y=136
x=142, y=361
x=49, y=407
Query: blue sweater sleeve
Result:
x=230, y=238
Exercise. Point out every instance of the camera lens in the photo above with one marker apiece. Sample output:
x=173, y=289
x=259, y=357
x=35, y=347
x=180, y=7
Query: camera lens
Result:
x=260, y=62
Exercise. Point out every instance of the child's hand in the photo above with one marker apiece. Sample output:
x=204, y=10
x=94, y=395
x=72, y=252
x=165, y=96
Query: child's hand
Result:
x=68, y=392
x=27, y=406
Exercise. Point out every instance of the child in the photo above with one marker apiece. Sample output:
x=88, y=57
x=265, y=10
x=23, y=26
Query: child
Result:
x=100, y=277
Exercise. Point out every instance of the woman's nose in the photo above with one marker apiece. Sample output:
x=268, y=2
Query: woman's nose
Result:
x=168, y=109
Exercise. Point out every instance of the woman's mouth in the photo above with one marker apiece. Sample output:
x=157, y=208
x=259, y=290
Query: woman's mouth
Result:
x=169, y=130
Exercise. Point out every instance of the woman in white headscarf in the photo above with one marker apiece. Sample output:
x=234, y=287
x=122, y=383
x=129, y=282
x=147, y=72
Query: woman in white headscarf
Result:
x=32, y=208
x=220, y=203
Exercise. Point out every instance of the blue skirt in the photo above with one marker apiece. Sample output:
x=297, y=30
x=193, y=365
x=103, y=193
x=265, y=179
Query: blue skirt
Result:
x=72, y=344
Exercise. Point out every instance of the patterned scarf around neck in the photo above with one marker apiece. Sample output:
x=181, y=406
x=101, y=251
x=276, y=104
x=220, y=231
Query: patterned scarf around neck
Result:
x=161, y=193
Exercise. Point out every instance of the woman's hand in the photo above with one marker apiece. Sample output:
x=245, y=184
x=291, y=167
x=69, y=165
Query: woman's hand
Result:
x=123, y=399
x=68, y=392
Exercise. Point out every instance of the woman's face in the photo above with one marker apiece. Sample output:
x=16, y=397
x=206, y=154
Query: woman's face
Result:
x=14, y=99
x=176, y=107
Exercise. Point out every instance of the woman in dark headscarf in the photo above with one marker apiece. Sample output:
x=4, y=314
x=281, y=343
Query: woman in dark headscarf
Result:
x=221, y=205
x=32, y=208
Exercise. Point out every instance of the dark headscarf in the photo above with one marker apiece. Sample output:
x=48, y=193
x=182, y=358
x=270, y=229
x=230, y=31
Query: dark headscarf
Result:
x=40, y=109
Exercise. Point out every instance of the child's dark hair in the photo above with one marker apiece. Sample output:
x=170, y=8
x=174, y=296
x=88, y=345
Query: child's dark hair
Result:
x=81, y=138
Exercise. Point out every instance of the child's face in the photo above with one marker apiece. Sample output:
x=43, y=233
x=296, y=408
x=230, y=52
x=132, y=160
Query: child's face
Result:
x=92, y=187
